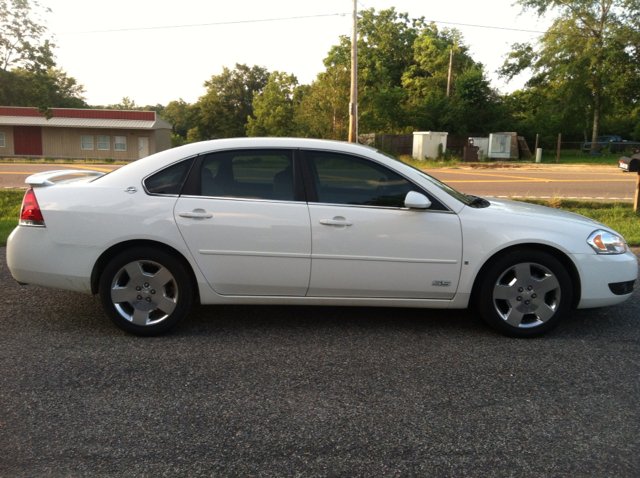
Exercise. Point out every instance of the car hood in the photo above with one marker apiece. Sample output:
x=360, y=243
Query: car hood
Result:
x=542, y=212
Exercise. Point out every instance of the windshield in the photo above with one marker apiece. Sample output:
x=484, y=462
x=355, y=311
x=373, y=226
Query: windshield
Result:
x=463, y=198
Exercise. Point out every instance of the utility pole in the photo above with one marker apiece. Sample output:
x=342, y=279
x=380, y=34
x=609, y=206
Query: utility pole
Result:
x=353, y=102
x=450, y=70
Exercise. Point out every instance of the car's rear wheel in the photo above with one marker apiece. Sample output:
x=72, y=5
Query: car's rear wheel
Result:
x=146, y=291
x=525, y=293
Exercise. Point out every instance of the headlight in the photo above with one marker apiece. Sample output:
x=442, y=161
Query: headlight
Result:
x=604, y=242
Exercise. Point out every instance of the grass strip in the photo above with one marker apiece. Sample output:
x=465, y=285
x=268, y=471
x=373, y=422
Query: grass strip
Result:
x=455, y=161
x=619, y=216
x=10, y=203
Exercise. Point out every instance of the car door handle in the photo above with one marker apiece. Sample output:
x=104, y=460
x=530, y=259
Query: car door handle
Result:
x=198, y=214
x=335, y=222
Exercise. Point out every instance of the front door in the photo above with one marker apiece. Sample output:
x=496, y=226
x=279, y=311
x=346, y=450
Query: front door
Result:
x=246, y=225
x=143, y=147
x=366, y=244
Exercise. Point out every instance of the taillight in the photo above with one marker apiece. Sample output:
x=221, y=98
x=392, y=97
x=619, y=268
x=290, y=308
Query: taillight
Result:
x=31, y=214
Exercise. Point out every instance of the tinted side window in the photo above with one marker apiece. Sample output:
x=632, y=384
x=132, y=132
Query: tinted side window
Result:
x=251, y=174
x=341, y=179
x=170, y=180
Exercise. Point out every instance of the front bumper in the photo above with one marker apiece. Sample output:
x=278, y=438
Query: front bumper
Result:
x=597, y=271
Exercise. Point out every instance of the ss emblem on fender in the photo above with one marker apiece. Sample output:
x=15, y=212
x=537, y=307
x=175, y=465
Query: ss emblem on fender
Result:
x=444, y=283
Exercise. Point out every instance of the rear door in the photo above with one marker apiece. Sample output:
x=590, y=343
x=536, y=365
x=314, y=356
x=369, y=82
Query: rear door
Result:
x=244, y=218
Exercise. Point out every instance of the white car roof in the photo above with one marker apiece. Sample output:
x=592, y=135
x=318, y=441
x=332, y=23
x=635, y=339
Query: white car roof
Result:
x=233, y=143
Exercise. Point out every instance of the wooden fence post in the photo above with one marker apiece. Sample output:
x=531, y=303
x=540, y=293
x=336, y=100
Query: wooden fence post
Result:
x=559, y=143
x=636, y=198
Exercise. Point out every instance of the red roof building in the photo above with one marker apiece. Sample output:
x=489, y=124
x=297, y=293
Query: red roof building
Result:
x=82, y=133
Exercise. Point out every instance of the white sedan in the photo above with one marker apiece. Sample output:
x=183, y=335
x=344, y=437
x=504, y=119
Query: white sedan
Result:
x=307, y=222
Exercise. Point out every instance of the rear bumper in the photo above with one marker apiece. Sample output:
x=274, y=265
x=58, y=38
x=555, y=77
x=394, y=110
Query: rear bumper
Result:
x=33, y=258
x=597, y=271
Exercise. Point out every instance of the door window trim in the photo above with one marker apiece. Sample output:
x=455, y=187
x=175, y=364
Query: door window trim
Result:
x=310, y=184
x=193, y=184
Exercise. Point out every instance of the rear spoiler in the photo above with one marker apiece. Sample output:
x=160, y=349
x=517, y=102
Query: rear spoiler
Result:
x=44, y=178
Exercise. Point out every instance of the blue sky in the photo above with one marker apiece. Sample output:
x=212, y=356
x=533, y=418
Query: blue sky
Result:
x=159, y=65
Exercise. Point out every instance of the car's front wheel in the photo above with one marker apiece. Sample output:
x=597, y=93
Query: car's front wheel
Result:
x=525, y=293
x=146, y=291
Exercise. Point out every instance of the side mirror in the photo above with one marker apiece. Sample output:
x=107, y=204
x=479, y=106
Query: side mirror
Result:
x=415, y=200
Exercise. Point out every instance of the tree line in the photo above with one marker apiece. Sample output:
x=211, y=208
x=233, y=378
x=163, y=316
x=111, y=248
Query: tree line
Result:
x=583, y=80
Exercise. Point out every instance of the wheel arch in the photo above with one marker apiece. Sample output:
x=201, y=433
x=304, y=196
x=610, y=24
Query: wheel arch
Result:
x=106, y=256
x=552, y=251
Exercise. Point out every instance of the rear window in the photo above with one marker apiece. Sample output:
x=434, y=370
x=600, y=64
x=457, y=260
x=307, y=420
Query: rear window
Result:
x=170, y=180
x=251, y=174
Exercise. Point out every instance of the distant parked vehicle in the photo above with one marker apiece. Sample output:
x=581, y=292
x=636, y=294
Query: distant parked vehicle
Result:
x=614, y=143
x=631, y=164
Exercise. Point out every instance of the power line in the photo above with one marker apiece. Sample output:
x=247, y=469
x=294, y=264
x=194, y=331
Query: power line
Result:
x=207, y=24
x=492, y=27
x=195, y=25
x=505, y=28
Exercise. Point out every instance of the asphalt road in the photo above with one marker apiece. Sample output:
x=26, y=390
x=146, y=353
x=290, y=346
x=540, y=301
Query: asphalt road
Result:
x=313, y=392
x=13, y=175
x=547, y=181
x=542, y=181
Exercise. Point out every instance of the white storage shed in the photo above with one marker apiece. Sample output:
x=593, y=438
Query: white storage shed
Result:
x=425, y=144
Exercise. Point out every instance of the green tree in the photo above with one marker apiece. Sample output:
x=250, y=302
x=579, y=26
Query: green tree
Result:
x=52, y=88
x=470, y=105
x=402, y=82
x=182, y=116
x=588, y=61
x=223, y=110
x=28, y=76
x=385, y=51
x=274, y=107
x=65, y=92
x=322, y=110
x=22, y=42
x=475, y=107
x=126, y=104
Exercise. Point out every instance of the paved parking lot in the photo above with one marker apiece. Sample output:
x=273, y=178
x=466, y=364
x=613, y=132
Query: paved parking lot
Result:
x=313, y=392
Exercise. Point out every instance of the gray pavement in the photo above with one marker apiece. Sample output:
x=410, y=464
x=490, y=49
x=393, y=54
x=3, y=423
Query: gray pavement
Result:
x=528, y=180
x=313, y=392
x=543, y=181
x=13, y=175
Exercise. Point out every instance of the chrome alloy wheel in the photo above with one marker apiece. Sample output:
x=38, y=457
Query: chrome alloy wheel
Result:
x=526, y=295
x=144, y=292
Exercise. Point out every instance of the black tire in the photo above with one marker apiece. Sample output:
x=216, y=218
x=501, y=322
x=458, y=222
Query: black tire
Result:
x=524, y=293
x=146, y=291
